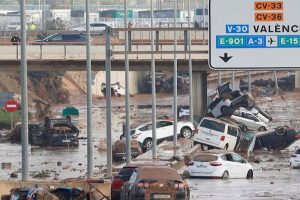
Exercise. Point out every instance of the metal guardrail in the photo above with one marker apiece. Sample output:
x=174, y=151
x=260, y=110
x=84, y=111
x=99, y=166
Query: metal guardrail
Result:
x=139, y=45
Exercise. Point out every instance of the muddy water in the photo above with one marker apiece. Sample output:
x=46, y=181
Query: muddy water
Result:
x=73, y=161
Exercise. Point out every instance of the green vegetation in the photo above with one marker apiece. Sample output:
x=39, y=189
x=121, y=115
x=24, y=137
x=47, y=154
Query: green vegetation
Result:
x=5, y=117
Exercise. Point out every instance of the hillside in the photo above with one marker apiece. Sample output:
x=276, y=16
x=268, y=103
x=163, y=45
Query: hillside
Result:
x=41, y=85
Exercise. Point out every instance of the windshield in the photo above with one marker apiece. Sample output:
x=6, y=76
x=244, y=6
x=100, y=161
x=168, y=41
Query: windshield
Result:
x=213, y=125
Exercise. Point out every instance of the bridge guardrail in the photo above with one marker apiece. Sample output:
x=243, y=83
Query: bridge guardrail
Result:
x=139, y=46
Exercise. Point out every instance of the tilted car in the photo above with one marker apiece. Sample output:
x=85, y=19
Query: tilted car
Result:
x=276, y=139
x=116, y=89
x=295, y=159
x=224, y=134
x=155, y=182
x=249, y=119
x=217, y=133
x=219, y=164
x=164, y=130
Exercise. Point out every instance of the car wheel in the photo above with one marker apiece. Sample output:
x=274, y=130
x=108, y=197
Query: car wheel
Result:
x=250, y=174
x=225, y=175
x=261, y=129
x=204, y=147
x=186, y=132
x=148, y=144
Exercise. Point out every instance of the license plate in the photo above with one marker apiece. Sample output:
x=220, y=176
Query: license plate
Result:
x=161, y=196
x=201, y=166
x=66, y=141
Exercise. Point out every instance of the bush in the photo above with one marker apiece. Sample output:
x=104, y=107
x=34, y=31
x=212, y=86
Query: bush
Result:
x=5, y=118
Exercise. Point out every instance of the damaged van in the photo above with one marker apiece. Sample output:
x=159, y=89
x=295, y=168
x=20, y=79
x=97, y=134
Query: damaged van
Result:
x=224, y=134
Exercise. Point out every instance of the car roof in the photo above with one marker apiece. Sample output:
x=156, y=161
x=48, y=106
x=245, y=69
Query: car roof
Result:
x=215, y=152
x=223, y=120
x=150, y=122
x=158, y=172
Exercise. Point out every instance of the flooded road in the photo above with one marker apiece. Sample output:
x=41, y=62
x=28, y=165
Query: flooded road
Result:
x=71, y=163
x=273, y=180
x=60, y=163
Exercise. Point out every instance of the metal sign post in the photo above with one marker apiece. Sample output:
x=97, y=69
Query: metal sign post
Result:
x=89, y=95
x=254, y=34
x=24, y=95
x=190, y=66
x=154, y=142
x=108, y=101
x=175, y=81
x=127, y=100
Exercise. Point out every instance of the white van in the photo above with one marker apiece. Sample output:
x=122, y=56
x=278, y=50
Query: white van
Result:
x=217, y=133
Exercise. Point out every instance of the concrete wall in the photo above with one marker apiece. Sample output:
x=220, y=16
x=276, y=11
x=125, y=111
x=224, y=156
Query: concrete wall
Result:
x=297, y=79
x=6, y=186
x=118, y=76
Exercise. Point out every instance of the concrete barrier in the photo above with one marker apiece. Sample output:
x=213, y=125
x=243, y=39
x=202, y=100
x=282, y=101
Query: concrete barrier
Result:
x=6, y=186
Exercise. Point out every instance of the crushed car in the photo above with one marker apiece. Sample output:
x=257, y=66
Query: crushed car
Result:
x=116, y=89
x=56, y=133
x=26, y=193
x=249, y=119
x=159, y=81
x=119, y=150
x=224, y=134
x=276, y=139
x=155, y=182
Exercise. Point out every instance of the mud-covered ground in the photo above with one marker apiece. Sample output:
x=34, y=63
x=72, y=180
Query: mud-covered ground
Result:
x=71, y=163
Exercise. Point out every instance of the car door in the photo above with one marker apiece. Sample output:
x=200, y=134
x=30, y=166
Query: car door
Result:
x=54, y=38
x=164, y=129
x=129, y=189
x=240, y=166
x=230, y=165
x=231, y=137
x=252, y=121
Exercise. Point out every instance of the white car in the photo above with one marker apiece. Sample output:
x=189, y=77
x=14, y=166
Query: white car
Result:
x=164, y=130
x=217, y=133
x=183, y=111
x=116, y=89
x=249, y=119
x=94, y=27
x=295, y=159
x=220, y=164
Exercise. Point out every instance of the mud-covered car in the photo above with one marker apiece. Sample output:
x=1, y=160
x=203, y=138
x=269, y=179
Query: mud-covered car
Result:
x=119, y=150
x=69, y=193
x=55, y=133
x=276, y=139
x=116, y=89
x=26, y=193
x=33, y=128
x=155, y=182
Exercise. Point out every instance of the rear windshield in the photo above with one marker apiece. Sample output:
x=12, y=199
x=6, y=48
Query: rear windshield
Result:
x=158, y=174
x=125, y=173
x=213, y=125
x=205, y=158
